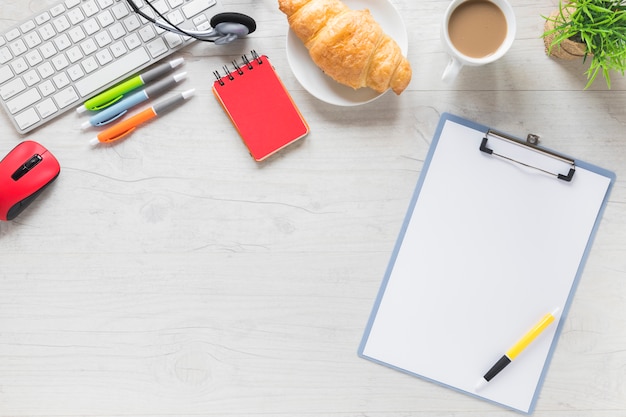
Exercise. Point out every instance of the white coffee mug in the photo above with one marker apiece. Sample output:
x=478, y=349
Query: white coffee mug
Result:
x=459, y=59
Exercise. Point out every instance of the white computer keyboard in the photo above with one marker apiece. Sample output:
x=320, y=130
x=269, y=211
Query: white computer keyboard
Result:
x=59, y=57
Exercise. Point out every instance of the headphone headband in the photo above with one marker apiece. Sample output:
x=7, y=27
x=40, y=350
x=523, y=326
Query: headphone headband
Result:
x=232, y=26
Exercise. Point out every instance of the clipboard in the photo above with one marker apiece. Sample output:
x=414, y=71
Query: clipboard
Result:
x=496, y=235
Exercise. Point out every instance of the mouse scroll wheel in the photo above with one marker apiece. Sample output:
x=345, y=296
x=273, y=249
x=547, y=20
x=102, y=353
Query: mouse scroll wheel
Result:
x=32, y=162
x=27, y=166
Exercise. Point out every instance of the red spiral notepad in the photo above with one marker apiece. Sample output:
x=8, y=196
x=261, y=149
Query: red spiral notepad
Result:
x=259, y=106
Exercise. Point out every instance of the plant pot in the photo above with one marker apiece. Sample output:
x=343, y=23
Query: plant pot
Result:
x=567, y=49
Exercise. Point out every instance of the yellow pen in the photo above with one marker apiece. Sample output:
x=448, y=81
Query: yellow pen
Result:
x=517, y=348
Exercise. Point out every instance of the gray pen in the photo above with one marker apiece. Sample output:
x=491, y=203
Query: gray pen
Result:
x=120, y=108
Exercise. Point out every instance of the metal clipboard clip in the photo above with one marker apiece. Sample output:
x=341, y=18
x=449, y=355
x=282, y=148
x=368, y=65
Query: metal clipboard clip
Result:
x=530, y=144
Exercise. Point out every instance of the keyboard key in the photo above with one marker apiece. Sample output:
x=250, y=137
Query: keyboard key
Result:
x=106, y=19
x=31, y=78
x=45, y=70
x=66, y=97
x=89, y=64
x=42, y=18
x=46, y=108
x=27, y=119
x=157, y=47
x=32, y=40
x=46, y=31
x=120, y=10
x=12, y=35
x=61, y=24
x=20, y=102
x=131, y=23
x=194, y=7
x=104, y=56
x=47, y=88
x=119, y=68
x=19, y=65
x=12, y=88
x=57, y=10
x=5, y=55
x=160, y=6
x=91, y=26
x=90, y=8
x=75, y=72
x=61, y=80
x=27, y=26
x=89, y=46
x=118, y=49
x=74, y=54
x=105, y=3
x=18, y=47
x=76, y=34
x=204, y=25
x=103, y=39
x=48, y=50
x=76, y=16
x=147, y=33
x=62, y=42
x=117, y=31
x=71, y=3
x=5, y=74
x=60, y=62
x=173, y=40
x=34, y=58
x=132, y=41
x=176, y=17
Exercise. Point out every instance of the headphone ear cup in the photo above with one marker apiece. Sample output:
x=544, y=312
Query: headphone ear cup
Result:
x=233, y=17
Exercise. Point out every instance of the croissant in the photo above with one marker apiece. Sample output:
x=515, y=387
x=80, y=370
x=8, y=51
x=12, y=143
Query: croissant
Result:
x=348, y=45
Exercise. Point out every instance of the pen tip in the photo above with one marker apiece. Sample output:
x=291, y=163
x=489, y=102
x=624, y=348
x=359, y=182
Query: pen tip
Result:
x=81, y=109
x=180, y=76
x=556, y=311
x=94, y=142
x=482, y=382
x=176, y=62
x=86, y=125
x=188, y=93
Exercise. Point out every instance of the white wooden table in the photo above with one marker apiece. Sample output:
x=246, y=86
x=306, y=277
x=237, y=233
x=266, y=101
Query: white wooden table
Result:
x=171, y=275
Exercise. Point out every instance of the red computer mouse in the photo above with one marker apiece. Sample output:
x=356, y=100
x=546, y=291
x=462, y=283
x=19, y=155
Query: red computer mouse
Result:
x=24, y=173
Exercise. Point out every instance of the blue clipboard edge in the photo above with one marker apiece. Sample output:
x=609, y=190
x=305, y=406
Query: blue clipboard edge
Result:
x=445, y=117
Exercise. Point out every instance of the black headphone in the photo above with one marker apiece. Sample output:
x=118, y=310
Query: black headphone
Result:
x=225, y=27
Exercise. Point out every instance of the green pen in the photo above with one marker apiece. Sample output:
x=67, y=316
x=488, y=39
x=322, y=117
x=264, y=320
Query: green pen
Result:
x=116, y=93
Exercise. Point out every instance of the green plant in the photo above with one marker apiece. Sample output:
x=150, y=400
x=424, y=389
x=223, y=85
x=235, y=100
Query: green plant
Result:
x=598, y=24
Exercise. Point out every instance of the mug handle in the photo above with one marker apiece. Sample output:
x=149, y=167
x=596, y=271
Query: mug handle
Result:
x=452, y=70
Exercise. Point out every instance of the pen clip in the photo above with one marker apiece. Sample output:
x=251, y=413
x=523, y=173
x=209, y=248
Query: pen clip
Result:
x=120, y=136
x=105, y=105
x=117, y=116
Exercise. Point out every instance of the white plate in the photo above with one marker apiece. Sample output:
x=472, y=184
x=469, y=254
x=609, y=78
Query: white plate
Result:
x=325, y=88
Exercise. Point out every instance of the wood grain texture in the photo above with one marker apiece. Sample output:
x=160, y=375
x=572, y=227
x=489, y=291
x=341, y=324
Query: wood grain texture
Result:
x=171, y=275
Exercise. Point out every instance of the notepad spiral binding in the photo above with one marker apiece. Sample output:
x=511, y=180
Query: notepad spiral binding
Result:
x=237, y=68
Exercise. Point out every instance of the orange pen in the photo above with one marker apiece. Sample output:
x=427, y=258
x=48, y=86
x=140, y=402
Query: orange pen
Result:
x=126, y=127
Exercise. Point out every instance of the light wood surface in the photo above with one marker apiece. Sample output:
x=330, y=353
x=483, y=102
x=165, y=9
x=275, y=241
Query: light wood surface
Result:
x=172, y=275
